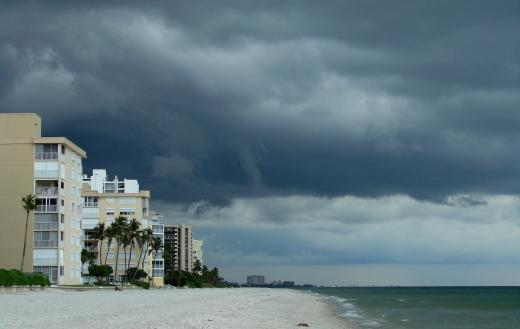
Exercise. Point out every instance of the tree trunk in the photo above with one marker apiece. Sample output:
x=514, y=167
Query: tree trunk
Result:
x=100, y=249
x=138, y=263
x=130, y=257
x=108, y=250
x=117, y=263
x=153, y=261
x=144, y=257
x=124, y=273
x=25, y=240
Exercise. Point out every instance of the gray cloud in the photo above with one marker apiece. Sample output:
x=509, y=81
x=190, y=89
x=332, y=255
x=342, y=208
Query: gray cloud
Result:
x=311, y=231
x=276, y=99
x=215, y=102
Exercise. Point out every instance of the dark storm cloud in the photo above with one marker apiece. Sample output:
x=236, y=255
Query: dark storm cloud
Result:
x=220, y=100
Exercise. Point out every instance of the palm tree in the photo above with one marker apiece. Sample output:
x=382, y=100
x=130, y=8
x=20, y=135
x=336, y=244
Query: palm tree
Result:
x=84, y=258
x=197, y=267
x=148, y=243
x=133, y=232
x=141, y=241
x=156, y=247
x=29, y=204
x=118, y=228
x=125, y=242
x=87, y=256
x=109, y=234
x=99, y=233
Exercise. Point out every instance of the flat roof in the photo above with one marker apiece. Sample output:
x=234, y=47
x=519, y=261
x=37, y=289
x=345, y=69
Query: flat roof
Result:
x=61, y=140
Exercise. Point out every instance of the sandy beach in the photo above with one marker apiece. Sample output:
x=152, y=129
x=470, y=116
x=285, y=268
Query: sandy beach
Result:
x=167, y=308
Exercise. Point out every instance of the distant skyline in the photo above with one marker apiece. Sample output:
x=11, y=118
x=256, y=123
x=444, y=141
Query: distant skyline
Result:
x=345, y=141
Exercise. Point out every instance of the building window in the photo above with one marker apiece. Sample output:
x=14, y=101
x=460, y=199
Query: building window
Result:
x=127, y=200
x=62, y=270
x=45, y=222
x=126, y=212
x=49, y=271
x=91, y=201
x=110, y=212
x=45, y=239
x=46, y=151
x=62, y=235
x=62, y=218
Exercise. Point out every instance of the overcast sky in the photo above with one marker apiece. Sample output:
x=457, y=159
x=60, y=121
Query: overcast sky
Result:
x=350, y=142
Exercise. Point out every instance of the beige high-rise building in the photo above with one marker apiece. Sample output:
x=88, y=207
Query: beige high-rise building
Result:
x=179, y=239
x=103, y=201
x=51, y=169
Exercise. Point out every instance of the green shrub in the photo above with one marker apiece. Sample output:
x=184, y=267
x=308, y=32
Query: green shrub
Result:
x=194, y=284
x=177, y=278
x=144, y=285
x=141, y=274
x=16, y=278
x=99, y=271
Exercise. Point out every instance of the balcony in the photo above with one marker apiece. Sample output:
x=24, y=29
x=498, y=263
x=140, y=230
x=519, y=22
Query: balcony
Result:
x=88, y=236
x=45, y=244
x=45, y=226
x=89, y=224
x=46, y=155
x=91, y=204
x=45, y=261
x=46, y=191
x=45, y=174
x=47, y=208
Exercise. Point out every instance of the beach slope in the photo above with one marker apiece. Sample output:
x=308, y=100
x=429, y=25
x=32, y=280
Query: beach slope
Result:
x=167, y=308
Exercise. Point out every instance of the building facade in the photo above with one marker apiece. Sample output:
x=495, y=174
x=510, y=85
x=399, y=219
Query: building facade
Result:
x=255, y=280
x=157, y=260
x=196, y=251
x=50, y=168
x=178, y=240
x=103, y=201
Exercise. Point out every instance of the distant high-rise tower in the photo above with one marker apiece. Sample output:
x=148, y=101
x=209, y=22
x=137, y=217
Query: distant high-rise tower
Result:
x=255, y=280
x=177, y=238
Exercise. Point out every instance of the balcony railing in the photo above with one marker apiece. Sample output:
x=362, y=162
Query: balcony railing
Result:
x=46, y=155
x=89, y=224
x=89, y=237
x=46, y=191
x=45, y=261
x=47, y=208
x=45, y=226
x=45, y=244
x=91, y=204
x=46, y=174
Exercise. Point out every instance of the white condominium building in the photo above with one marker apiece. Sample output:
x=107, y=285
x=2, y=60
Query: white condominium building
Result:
x=105, y=200
x=196, y=251
x=158, y=232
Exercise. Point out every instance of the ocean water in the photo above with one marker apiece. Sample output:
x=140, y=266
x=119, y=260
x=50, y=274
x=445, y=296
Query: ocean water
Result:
x=427, y=307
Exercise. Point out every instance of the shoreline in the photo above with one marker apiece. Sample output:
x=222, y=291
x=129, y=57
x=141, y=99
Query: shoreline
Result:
x=252, y=308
